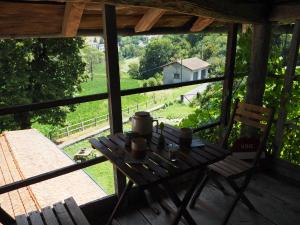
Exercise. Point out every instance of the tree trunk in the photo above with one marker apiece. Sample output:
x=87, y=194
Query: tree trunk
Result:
x=23, y=120
x=258, y=69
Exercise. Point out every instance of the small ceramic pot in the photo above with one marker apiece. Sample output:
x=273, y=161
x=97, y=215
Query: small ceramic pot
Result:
x=138, y=147
x=185, y=138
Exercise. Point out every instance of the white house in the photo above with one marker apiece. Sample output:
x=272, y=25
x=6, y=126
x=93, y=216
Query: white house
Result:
x=185, y=70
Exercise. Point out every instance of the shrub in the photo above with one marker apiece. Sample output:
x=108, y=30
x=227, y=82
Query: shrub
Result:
x=133, y=71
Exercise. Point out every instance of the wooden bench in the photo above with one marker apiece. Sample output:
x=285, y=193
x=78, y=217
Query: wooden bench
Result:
x=67, y=213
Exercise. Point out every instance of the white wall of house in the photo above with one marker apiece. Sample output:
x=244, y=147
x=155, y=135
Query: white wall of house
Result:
x=172, y=74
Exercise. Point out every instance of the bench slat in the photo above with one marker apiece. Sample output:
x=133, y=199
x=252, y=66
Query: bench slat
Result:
x=62, y=214
x=35, y=218
x=49, y=216
x=76, y=212
x=22, y=220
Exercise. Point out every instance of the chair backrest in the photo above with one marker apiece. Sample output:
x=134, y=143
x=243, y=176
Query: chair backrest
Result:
x=254, y=116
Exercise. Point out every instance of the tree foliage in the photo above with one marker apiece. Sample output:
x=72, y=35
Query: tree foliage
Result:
x=38, y=70
x=161, y=51
x=209, y=103
x=91, y=57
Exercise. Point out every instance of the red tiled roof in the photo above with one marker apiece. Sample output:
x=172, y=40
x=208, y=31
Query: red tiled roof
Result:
x=194, y=63
x=22, y=200
x=26, y=153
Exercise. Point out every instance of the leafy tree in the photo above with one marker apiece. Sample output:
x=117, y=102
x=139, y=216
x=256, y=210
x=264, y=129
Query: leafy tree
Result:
x=91, y=57
x=208, y=104
x=130, y=46
x=158, y=52
x=38, y=70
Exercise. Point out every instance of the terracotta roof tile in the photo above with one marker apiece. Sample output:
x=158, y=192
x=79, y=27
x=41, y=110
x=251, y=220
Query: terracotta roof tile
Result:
x=27, y=153
x=194, y=63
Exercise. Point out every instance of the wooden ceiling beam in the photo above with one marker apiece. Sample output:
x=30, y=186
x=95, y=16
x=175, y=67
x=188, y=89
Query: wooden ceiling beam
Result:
x=149, y=19
x=285, y=13
x=72, y=18
x=201, y=23
x=225, y=10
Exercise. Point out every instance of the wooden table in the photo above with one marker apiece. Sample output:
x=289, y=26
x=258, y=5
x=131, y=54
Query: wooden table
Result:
x=156, y=169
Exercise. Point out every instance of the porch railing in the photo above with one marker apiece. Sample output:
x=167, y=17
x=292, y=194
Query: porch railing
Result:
x=63, y=102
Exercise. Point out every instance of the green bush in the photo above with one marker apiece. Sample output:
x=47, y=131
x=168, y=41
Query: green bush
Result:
x=133, y=70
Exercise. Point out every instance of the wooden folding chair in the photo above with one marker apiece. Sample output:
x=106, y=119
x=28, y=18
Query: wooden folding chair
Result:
x=231, y=167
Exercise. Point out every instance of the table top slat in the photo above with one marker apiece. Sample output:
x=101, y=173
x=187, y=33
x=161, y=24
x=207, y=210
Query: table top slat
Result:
x=189, y=157
x=157, y=166
x=121, y=151
x=125, y=169
x=159, y=171
x=158, y=159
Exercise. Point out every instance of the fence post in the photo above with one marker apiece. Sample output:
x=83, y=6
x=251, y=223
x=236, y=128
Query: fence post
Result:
x=68, y=132
x=82, y=127
x=95, y=121
x=137, y=107
x=128, y=110
x=107, y=117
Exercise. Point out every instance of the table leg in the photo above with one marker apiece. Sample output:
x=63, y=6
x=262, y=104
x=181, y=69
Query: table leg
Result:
x=181, y=205
x=120, y=201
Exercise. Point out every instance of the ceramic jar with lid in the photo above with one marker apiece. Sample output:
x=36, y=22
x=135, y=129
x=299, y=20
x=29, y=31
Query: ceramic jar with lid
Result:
x=142, y=123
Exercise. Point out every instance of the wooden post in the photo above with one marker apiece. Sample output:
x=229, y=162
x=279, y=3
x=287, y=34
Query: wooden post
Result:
x=287, y=89
x=229, y=74
x=258, y=69
x=113, y=81
x=258, y=63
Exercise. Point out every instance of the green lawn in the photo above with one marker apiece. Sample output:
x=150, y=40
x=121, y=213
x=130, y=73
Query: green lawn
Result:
x=174, y=111
x=101, y=173
x=93, y=109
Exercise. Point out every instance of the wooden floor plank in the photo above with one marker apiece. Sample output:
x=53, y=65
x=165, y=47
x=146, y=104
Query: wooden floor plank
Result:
x=131, y=218
x=153, y=218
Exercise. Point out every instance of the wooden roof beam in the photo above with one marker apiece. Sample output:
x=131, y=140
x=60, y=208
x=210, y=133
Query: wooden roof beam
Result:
x=201, y=23
x=72, y=18
x=286, y=13
x=149, y=19
x=224, y=10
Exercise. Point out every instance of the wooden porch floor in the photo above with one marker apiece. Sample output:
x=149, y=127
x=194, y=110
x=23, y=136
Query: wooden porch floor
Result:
x=277, y=202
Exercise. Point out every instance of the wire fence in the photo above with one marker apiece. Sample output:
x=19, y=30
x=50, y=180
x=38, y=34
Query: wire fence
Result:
x=102, y=120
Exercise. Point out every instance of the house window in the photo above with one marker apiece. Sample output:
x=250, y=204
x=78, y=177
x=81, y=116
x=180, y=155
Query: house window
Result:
x=195, y=76
x=176, y=76
x=203, y=74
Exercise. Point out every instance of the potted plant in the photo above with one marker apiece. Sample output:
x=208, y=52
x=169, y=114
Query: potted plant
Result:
x=161, y=140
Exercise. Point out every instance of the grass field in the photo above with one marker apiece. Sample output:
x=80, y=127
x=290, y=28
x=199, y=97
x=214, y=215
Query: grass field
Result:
x=93, y=109
x=101, y=173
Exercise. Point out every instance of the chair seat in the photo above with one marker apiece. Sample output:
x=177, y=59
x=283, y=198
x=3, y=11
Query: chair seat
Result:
x=230, y=167
x=67, y=213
